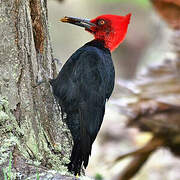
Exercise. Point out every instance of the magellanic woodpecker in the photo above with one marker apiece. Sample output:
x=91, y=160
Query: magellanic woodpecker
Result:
x=86, y=82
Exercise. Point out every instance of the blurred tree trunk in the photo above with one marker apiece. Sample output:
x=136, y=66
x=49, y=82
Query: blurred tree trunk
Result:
x=31, y=130
x=157, y=105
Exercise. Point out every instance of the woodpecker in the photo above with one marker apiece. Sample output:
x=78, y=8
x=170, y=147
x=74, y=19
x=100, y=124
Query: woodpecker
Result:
x=86, y=82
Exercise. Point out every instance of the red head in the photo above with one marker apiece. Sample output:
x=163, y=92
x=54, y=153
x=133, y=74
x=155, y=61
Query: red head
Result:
x=109, y=28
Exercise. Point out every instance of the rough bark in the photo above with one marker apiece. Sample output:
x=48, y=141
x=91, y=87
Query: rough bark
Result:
x=31, y=128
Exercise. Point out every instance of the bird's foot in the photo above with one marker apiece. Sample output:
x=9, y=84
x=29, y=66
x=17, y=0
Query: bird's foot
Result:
x=38, y=83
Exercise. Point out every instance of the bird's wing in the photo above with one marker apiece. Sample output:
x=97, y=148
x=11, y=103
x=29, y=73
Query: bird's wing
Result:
x=90, y=78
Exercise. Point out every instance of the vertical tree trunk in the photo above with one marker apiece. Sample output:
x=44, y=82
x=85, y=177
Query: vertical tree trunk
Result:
x=30, y=123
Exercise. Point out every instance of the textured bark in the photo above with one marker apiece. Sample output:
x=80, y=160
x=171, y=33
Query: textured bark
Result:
x=30, y=122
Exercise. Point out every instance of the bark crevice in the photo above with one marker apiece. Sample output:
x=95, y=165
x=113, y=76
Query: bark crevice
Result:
x=37, y=24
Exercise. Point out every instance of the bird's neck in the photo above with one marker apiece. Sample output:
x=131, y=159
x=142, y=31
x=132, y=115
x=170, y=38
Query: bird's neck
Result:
x=108, y=42
x=111, y=40
x=99, y=44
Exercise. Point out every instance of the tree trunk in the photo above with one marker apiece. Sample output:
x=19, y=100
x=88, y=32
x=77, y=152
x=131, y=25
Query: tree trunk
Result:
x=32, y=135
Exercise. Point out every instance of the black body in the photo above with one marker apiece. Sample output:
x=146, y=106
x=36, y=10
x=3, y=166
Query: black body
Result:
x=82, y=87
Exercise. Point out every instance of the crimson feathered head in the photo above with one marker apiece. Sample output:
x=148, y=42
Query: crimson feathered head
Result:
x=108, y=28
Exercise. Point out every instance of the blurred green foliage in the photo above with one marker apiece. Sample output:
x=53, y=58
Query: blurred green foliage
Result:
x=143, y=3
x=98, y=177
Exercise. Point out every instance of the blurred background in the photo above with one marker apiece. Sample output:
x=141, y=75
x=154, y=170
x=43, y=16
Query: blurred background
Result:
x=145, y=42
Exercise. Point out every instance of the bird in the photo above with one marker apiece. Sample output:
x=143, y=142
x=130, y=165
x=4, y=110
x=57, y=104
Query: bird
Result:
x=86, y=81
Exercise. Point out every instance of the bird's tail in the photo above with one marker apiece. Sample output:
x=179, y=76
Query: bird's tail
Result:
x=84, y=126
x=76, y=159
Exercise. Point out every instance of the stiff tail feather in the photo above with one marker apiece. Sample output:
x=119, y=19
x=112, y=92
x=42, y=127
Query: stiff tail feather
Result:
x=84, y=126
x=81, y=151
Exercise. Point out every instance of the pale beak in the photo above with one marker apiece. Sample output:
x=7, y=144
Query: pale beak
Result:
x=86, y=23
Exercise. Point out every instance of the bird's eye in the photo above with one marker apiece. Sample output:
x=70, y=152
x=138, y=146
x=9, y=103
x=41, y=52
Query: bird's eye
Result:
x=101, y=22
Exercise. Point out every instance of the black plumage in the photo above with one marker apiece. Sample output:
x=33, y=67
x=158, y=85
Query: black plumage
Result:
x=82, y=87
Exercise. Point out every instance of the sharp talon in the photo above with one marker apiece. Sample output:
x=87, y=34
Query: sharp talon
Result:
x=57, y=61
x=39, y=83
